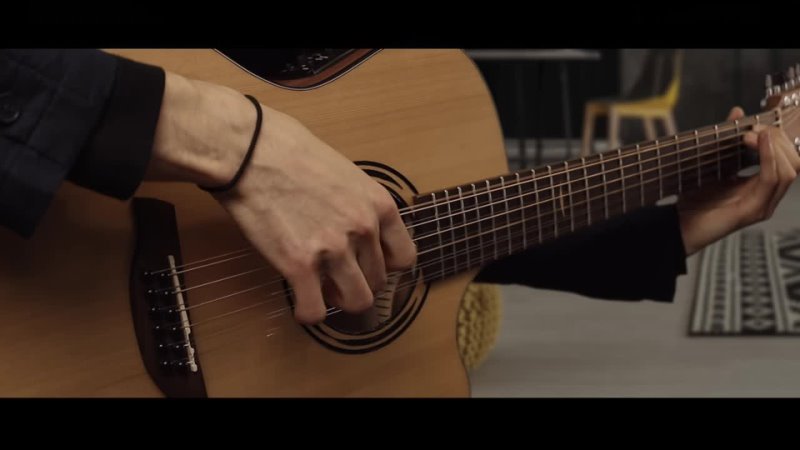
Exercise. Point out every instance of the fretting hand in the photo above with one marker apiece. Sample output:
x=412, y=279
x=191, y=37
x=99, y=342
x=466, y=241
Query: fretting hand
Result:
x=710, y=215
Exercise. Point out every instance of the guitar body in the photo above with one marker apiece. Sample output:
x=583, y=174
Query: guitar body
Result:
x=423, y=117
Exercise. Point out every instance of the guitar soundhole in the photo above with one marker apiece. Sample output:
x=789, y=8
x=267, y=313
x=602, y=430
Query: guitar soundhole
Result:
x=395, y=308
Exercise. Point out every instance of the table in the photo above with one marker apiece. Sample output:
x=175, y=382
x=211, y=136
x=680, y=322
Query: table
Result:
x=562, y=56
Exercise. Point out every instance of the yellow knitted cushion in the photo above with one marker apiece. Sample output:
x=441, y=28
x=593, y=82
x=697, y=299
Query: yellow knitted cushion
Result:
x=478, y=323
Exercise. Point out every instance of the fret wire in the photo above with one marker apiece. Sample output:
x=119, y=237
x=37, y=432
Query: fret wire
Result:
x=739, y=159
x=438, y=229
x=538, y=204
x=641, y=174
x=605, y=183
x=494, y=224
x=522, y=210
x=452, y=226
x=466, y=226
x=555, y=205
x=622, y=178
x=480, y=220
x=660, y=177
x=507, y=213
x=699, y=155
x=586, y=183
x=569, y=193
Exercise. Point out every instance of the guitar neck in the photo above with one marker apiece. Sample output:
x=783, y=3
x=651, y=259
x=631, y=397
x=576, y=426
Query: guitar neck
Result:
x=464, y=227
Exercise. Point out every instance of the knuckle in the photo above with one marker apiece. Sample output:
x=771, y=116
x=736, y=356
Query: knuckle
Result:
x=363, y=226
x=384, y=203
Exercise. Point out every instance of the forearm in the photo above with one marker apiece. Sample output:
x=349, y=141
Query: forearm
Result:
x=638, y=256
x=202, y=133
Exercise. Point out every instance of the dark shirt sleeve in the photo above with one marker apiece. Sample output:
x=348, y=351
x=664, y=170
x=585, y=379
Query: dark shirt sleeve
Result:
x=83, y=115
x=634, y=257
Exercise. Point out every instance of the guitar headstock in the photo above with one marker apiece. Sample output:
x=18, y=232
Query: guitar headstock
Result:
x=783, y=92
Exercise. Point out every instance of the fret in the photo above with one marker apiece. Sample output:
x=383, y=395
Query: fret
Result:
x=641, y=173
x=660, y=175
x=538, y=204
x=569, y=193
x=628, y=170
x=509, y=226
x=438, y=231
x=479, y=220
x=622, y=178
x=555, y=200
x=719, y=153
x=697, y=149
x=605, y=183
x=452, y=231
x=588, y=197
x=678, y=163
x=522, y=209
x=466, y=227
x=494, y=224
x=738, y=140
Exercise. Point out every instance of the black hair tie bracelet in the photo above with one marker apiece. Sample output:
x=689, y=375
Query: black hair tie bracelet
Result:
x=247, y=157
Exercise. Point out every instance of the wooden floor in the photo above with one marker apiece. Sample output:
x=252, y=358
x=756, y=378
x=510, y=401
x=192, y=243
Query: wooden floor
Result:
x=554, y=344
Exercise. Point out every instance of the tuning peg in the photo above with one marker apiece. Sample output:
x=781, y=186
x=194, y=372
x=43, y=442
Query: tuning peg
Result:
x=797, y=72
x=790, y=76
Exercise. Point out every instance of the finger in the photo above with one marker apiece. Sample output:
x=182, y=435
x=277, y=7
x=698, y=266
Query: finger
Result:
x=785, y=145
x=786, y=172
x=370, y=259
x=356, y=296
x=736, y=113
x=751, y=139
x=399, y=250
x=309, y=307
x=755, y=205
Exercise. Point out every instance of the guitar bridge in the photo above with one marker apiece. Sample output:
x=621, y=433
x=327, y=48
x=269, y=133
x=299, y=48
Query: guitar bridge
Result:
x=159, y=303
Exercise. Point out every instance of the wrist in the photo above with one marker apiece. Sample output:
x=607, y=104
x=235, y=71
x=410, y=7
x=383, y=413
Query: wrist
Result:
x=202, y=134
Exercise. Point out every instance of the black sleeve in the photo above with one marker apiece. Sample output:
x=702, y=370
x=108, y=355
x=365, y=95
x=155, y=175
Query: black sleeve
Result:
x=634, y=257
x=79, y=114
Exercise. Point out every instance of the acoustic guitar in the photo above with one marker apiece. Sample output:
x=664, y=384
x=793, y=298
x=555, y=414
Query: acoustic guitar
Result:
x=162, y=295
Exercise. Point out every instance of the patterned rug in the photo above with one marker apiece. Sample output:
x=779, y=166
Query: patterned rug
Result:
x=749, y=284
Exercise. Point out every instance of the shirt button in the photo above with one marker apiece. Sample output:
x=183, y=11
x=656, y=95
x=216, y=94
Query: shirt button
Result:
x=8, y=114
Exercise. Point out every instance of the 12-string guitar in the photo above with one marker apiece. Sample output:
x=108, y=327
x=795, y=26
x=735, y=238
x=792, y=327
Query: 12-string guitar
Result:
x=162, y=295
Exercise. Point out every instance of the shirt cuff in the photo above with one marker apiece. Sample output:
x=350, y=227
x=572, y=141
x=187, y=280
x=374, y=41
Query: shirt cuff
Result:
x=116, y=157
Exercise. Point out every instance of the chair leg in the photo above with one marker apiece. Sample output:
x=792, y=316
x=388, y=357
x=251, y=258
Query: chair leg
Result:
x=649, y=128
x=669, y=124
x=613, y=129
x=587, y=146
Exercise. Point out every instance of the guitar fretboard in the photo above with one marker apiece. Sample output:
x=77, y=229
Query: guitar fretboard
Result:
x=464, y=227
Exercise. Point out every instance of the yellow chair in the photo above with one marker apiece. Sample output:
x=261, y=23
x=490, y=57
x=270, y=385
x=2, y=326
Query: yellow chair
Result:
x=648, y=109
